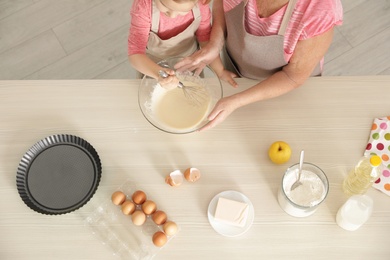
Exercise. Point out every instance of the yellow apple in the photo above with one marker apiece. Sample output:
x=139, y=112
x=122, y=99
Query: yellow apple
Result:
x=279, y=152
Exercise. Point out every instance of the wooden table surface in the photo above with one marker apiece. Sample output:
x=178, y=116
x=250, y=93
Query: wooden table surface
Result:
x=329, y=117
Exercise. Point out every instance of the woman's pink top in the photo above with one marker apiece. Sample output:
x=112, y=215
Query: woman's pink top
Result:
x=310, y=18
x=141, y=21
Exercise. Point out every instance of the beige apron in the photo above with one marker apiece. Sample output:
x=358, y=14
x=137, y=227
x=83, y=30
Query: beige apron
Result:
x=183, y=44
x=256, y=57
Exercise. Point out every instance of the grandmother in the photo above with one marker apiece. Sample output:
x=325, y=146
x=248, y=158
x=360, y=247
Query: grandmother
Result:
x=280, y=43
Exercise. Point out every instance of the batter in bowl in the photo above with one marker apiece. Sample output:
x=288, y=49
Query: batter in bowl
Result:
x=173, y=109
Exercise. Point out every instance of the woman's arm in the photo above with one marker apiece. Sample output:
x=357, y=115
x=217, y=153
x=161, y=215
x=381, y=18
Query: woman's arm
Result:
x=211, y=51
x=307, y=54
x=218, y=29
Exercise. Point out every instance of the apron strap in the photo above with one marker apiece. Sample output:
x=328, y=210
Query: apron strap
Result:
x=196, y=11
x=155, y=17
x=287, y=16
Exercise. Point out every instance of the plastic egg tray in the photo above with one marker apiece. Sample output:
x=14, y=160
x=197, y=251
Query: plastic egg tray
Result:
x=117, y=230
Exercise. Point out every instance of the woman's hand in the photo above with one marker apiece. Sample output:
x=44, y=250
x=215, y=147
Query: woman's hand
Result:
x=197, y=61
x=221, y=111
x=212, y=49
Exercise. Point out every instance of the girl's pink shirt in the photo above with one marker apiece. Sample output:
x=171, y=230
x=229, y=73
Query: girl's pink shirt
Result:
x=310, y=18
x=141, y=22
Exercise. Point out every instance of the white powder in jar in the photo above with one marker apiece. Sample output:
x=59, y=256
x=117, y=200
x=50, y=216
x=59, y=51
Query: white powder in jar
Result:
x=310, y=193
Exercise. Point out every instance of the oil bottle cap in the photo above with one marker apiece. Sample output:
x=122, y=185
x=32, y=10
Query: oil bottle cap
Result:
x=375, y=160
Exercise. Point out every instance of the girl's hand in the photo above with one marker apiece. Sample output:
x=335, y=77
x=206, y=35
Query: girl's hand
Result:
x=228, y=76
x=167, y=79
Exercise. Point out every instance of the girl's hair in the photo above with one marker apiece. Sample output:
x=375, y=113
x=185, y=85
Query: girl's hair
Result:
x=205, y=2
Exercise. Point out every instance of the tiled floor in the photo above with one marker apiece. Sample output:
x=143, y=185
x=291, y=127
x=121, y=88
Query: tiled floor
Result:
x=78, y=39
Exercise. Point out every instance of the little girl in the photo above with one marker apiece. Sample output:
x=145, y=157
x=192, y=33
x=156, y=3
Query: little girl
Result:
x=166, y=28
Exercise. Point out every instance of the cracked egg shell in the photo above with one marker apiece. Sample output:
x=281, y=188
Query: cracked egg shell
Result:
x=175, y=178
x=192, y=174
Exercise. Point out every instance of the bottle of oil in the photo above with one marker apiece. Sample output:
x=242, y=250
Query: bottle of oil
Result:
x=365, y=173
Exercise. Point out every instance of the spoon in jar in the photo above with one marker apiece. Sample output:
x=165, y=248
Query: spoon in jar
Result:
x=298, y=182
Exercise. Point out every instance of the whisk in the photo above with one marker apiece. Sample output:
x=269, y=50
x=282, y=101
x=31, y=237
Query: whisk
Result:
x=196, y=94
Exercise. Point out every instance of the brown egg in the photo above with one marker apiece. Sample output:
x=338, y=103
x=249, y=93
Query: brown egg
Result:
x=118, y=198
x=170, y=228
x=159, y=239
x=138, y=218
x=192, y=174
x=149, y=207
x=139, y=197
x=128, y=207
x=159, y=217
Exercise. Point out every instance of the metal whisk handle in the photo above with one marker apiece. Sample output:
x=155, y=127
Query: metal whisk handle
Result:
x=163, y=73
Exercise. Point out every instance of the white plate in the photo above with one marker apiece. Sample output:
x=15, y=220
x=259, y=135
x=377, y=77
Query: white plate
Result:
x=226, y=229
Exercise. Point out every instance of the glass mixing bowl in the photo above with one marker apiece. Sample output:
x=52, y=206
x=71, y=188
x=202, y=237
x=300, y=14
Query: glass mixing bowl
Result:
x=150, y=93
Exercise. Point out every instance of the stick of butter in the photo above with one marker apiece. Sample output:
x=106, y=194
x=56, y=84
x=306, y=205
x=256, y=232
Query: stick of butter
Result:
x=231, y=212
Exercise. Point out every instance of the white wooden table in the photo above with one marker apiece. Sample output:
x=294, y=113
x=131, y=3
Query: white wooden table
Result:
x=329, y=117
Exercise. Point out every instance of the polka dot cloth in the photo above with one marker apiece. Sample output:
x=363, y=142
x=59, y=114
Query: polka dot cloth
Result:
x=379, y=144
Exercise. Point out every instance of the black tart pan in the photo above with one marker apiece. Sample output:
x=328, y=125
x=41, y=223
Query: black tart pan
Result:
x=58, y=174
